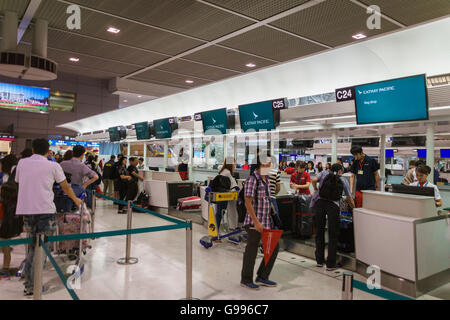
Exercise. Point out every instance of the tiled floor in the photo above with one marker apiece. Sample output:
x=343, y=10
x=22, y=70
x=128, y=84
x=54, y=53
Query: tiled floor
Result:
x=161, y=271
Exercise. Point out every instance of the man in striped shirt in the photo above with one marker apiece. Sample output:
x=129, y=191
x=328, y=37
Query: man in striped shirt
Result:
x=257, y=202
x=274, y=180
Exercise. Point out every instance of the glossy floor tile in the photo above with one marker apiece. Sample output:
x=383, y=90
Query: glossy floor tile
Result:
x=161, y=270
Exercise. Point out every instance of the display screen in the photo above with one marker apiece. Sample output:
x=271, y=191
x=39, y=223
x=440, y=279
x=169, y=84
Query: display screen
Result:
x=422, y=153
x=257, y=116
x=7, y=138
x=114, y=134
x=395, y=100
x=389, y=153
x=142, y=130
x=62, y=101
x=215, y=120
x=24, y=98
x=445, y=153
x=162, y=129
x=71, y=143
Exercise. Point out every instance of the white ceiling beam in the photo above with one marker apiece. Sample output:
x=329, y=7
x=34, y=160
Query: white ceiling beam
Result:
x=27, y=17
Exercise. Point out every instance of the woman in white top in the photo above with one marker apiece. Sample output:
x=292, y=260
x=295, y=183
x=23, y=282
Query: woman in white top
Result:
x=422, y=173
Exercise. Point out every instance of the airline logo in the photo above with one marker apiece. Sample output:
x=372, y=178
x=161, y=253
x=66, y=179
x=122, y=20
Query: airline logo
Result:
x=214, y=120
x=255, y=115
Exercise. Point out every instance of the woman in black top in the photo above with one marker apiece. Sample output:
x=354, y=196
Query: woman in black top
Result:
x=124, y=178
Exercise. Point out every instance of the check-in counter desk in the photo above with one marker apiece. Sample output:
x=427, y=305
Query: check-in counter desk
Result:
x=165, y=188
x=404, y=236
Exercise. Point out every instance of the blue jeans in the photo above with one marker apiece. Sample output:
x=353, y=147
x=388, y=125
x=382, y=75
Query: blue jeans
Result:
x=220, y=207
x=34, y=224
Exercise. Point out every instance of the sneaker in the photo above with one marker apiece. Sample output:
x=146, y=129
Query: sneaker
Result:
x=250, y=286
x=28, y=292
x=332, y=268
x=266, y=283
x=319, y=265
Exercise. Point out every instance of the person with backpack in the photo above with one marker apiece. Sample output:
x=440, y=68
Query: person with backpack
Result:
x=108, y=177
x=258, y=218
x=226, y=173
x=326, y=202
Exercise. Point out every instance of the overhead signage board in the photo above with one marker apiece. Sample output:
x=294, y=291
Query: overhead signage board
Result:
x=162, y=128
x=403, y=99
x=142, y=131
x=215, y=120
x=345, y=94
x=257, y=116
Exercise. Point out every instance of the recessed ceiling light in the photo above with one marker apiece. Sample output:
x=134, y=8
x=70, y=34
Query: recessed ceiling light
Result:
x=189, y=81
x=250, y=65
x=74, y=59
x=113, y=30
x=359, y=36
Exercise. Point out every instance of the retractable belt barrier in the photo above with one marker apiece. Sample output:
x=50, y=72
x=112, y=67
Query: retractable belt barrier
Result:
x=178, y=224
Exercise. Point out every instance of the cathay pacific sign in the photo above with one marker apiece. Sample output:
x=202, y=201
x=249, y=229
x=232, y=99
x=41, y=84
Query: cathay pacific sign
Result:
x=215, y=121
x=257, y=116
x=162, y=129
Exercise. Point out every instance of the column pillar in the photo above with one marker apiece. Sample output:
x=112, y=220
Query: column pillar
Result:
x=334, y=147
x=166, y=154
x=430, y=150
x=382, y=158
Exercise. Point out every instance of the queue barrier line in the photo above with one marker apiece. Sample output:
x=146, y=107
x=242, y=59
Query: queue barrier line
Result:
x=382, y=293
x=15, y=242
x=170, y=219
x=59, y=271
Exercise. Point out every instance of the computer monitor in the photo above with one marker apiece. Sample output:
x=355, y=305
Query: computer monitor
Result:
x=394, y=179
x=170, y=169
x=236, y=175
x=154, y=168
x=420, y=191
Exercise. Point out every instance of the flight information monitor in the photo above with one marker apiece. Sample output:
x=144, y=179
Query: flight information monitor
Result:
x=396, y=100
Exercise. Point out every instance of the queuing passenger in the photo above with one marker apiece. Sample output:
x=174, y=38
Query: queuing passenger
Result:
x=301, y=180
x=275, y=184
x=68, y=155
x=290, y=169
x=26, y=153
x=227, y=170
x=80, y=173
x=411, y=176
x=319, y=167
x=124, y=179
x=422, y=172
x=246, y=166
x=51, y=156
x=133, y=172
x=9, y=163
x=141, y=165
x=257, y=219
x=310, y=168
x=116, y=178
x=36, y=177
x=365, y=170
x=108, y=182
x=182, y=168
x=326, y=209
x=328, y=166
x=58, y=158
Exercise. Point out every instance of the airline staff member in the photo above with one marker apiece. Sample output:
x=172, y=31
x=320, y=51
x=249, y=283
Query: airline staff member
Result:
x=301, y=179
x=422, y=173
x=365, y=169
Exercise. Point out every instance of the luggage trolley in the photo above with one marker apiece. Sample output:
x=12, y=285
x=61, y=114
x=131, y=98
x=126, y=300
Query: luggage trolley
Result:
x=213, y=233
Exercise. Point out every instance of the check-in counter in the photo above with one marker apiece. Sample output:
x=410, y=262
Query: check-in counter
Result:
x=405, y=237
x=165, y=188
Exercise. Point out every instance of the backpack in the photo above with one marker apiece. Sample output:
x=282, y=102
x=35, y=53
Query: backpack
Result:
x=12, y=225
x=221, y=184
x=331, y=188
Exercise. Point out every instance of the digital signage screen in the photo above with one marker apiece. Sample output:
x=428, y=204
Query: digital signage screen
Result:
x=215, y=120
x=422, y=153
x=445, y=153
x=142, y=130
x=114, y=134
x=24, y=98
x=389, y=153
x=257, y=116
x=162, y=129
x=396, y=100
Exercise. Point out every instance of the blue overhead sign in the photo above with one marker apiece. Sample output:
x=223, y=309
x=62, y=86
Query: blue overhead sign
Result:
x=85, y=144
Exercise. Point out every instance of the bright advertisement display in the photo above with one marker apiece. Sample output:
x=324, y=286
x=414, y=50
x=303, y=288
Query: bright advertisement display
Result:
x=403, y=99
x=24, y=98
x=73, y=143
x=257, y=116
x=215, y=120
x=162, y=129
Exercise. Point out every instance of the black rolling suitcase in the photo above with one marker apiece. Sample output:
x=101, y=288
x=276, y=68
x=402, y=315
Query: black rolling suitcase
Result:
x=346, y=239
x=304, y=217
x=286, y=209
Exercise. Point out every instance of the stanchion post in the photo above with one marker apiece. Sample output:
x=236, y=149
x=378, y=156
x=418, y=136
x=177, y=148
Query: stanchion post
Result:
x=94, y=207
x=347, y=286
x=189, y=261
x=38, y=264
x=128, y=259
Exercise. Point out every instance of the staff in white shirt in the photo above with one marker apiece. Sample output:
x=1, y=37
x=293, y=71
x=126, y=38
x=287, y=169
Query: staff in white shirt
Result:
x=422, y=173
